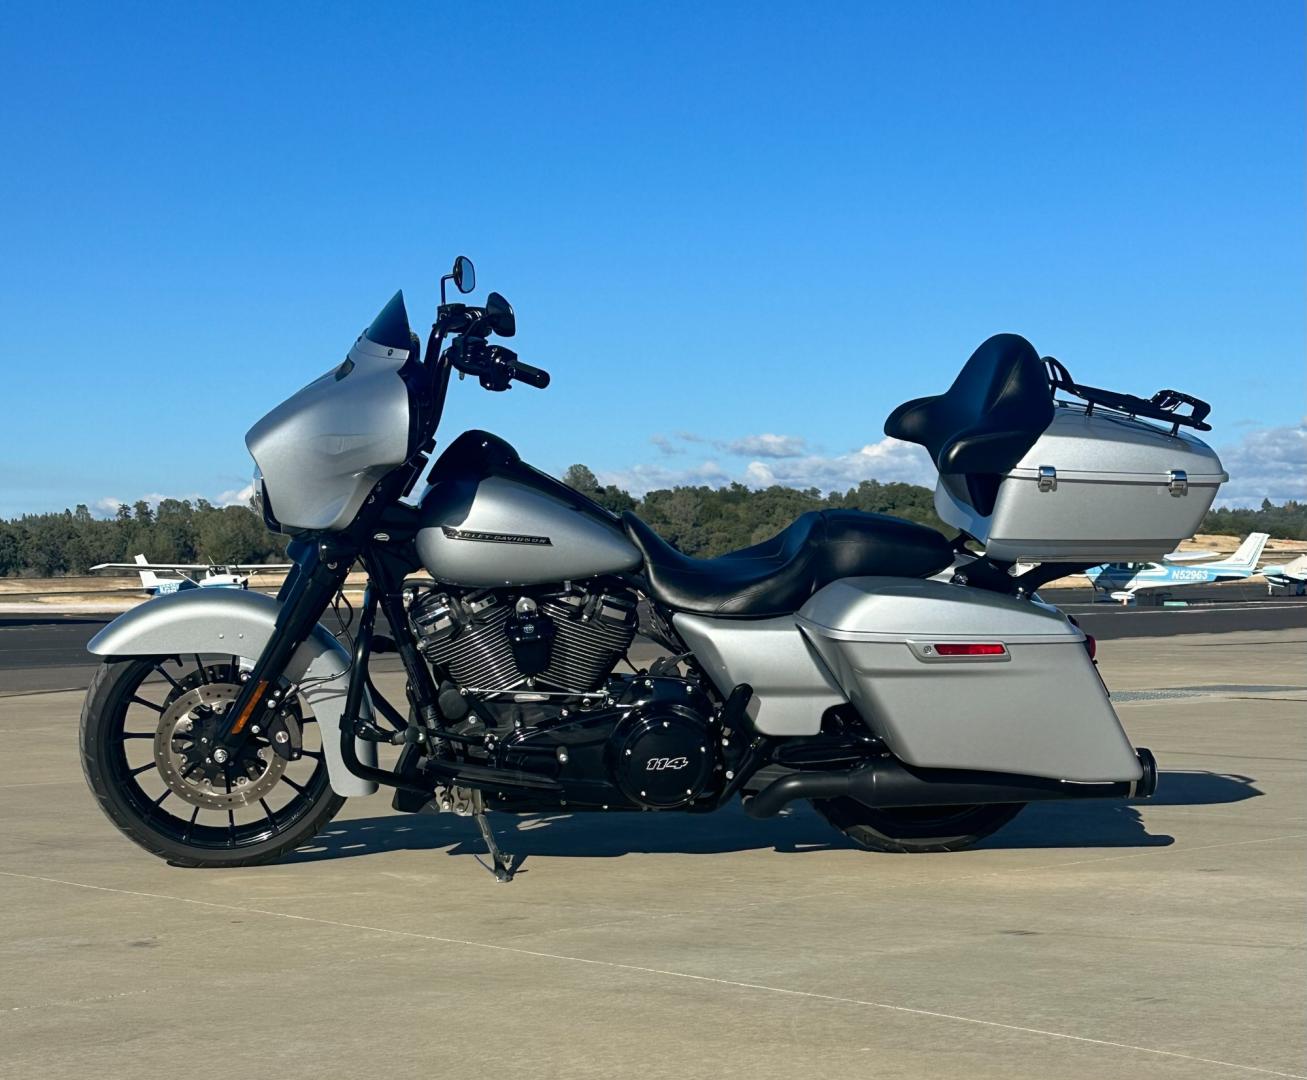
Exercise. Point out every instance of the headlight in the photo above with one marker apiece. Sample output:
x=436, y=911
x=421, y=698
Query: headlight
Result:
x=257, y=497
x=261, y=502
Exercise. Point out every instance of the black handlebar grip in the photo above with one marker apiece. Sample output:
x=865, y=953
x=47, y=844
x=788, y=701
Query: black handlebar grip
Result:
x=533, y=376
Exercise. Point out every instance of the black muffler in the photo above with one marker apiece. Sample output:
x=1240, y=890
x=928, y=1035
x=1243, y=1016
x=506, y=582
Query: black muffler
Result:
x=886, y=782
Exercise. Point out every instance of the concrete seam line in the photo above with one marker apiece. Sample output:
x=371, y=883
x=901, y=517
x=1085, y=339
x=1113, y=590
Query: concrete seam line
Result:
x=78, y=1001
x=614, y=965
x=7, y=694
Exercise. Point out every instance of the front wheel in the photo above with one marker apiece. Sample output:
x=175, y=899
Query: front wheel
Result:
x=145, y=725
x=916, y=828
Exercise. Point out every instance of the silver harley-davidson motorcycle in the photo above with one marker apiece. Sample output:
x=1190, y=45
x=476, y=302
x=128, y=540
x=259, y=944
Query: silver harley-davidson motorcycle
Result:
x=914, y=689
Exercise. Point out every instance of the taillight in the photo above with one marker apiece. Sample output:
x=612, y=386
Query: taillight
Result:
x=987, y=648
x=1091, y=646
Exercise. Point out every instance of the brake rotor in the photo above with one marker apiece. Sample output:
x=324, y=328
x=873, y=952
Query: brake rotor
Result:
x=183, y=751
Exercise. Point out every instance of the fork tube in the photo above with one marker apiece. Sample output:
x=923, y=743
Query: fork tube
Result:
x=319, y=577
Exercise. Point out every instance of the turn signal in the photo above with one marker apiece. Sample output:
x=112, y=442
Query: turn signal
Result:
x=991, y=648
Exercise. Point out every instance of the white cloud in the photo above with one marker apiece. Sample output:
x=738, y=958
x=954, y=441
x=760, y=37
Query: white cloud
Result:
x=641, y=479
x=108, y=506
x=1267, y=463
x=887, y=460
x=768, y=446
x=665, y=445
x=765, y=445
x=238, y=497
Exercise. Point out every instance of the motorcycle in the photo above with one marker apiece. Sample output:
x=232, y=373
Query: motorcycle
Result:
x=914, y=689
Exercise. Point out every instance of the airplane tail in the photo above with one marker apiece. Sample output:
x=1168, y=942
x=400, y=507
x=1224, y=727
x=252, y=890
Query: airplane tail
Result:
x=149, y=579
x=1248, y=554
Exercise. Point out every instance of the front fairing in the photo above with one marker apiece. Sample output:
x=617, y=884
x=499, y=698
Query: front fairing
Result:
x=323, y=450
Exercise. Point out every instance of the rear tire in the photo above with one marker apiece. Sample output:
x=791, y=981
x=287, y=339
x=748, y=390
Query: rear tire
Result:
x=915, y=829
x=105, y=732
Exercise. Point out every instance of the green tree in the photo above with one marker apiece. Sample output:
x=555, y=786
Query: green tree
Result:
x=580, y=478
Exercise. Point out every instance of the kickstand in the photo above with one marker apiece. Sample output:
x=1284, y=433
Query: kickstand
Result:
x=503, y=868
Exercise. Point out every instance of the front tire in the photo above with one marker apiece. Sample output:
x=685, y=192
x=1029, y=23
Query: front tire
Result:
x=915, y=829
x=133, y=770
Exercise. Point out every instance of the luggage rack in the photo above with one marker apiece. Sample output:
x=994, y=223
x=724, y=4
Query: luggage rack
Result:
x=1161, y=406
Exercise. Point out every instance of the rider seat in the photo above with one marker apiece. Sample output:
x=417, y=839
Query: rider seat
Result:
x=978, y=429
x=776, y=576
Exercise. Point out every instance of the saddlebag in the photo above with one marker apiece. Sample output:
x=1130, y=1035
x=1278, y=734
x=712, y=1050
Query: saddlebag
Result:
x=1097, y=486
x=953, y=677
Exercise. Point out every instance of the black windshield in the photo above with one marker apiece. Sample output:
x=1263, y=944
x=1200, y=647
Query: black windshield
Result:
x=390, y=328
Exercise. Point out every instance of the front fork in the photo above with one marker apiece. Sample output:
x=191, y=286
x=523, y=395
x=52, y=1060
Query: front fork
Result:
x=320, y=570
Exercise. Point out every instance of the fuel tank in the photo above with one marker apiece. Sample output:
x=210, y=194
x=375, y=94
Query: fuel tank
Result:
x=489, y=519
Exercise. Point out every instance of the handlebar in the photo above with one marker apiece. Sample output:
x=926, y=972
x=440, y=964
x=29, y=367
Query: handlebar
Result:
x=494, y=366
x=532, y=376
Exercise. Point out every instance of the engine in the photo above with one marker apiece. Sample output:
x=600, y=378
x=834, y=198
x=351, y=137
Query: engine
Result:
x=539, y=666
x=496, y=640
x=654, y=747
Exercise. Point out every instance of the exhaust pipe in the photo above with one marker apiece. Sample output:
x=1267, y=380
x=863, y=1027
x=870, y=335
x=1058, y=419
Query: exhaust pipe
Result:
x=886, y=782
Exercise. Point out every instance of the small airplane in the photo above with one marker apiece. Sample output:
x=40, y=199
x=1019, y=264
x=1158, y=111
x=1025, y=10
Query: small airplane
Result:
x=216, y=575
x=1122, y=581
x=1291, y=575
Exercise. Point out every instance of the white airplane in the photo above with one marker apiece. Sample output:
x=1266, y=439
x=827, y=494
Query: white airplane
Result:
x=216, y=575
x=1124, y=580
x=1291, y=575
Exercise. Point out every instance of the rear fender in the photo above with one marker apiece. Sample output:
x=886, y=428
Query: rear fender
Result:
x=241, y=623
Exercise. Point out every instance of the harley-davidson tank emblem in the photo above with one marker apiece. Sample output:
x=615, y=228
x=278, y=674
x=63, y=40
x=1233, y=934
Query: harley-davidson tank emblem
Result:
x=496, y=538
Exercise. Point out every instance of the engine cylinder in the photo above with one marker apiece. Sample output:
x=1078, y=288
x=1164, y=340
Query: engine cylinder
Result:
x=477, y=638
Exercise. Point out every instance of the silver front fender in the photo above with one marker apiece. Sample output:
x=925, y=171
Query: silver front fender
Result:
x=241, y=623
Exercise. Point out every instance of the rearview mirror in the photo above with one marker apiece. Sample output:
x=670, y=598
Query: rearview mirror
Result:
x=499, y=314
x=465, y=274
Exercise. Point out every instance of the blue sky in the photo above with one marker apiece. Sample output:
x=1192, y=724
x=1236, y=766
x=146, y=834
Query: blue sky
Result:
x=737, y=234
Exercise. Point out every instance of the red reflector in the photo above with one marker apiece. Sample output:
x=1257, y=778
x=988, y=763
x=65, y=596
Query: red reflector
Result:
x=993, y=648
x=1091, y=646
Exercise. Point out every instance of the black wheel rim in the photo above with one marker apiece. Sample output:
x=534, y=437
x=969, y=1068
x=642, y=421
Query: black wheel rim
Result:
x=133, y=718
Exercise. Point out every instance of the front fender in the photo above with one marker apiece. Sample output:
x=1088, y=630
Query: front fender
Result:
x=241, y=623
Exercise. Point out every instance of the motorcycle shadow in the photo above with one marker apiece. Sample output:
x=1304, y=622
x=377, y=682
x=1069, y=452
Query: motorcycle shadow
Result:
x=1120, y=824
x=1089, y=823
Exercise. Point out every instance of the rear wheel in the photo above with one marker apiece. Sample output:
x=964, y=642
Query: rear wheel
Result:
x=145, y=727
x=915, y=828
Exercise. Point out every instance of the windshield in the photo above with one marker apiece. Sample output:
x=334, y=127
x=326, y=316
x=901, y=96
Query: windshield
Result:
x=390, y=327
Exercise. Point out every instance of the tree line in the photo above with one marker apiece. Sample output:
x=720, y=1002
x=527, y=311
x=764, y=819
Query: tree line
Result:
x=710, y=521
x=177, y=530
x=699, y=520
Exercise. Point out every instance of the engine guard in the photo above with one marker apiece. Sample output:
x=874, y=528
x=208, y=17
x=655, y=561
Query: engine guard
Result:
x=241, y=623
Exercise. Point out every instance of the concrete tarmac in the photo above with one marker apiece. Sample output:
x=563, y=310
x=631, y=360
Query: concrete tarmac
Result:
x=1086, y=940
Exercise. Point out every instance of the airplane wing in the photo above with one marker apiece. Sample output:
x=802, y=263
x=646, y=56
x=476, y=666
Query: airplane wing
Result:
x=259, y=566
x=149, y=566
